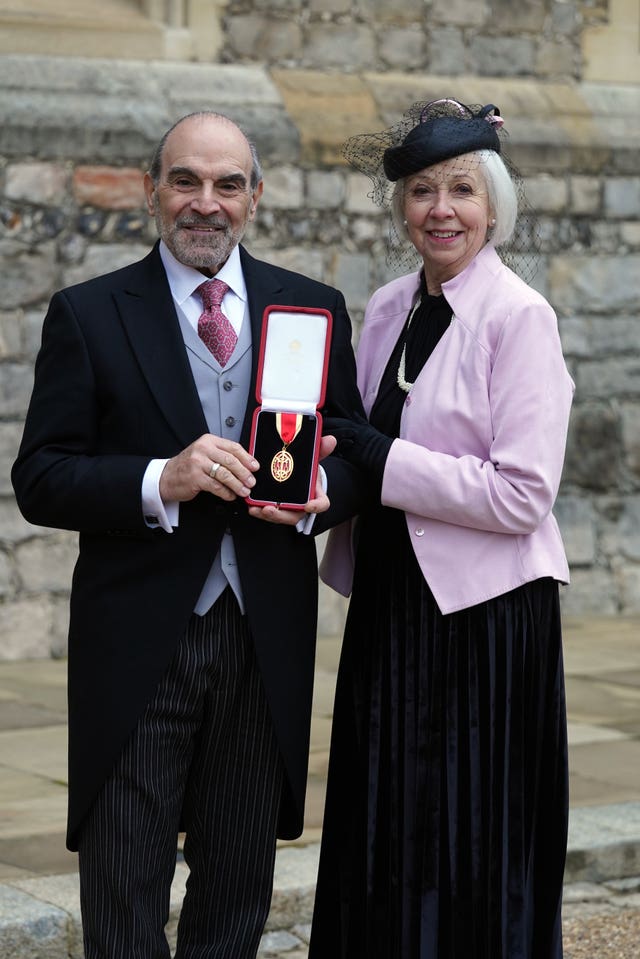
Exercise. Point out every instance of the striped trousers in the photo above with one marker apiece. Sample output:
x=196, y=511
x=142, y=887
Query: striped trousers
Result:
x=204, y=753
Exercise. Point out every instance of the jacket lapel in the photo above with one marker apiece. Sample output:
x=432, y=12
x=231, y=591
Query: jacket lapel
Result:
x=148, y=315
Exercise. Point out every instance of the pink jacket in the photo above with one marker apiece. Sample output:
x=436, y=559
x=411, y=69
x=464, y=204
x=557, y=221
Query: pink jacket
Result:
x=478, y=462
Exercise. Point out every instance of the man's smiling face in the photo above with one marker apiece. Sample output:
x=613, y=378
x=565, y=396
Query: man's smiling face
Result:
x=203, y=199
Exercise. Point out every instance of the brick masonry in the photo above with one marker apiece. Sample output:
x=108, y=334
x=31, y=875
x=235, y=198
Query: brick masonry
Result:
x=77, y=136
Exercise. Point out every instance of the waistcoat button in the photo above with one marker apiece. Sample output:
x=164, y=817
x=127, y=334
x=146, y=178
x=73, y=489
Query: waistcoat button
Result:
x=419, y=531
x=227, y=385
x=230, y=421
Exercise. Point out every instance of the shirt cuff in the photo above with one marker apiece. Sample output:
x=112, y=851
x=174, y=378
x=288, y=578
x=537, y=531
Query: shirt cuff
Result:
x=155, y=512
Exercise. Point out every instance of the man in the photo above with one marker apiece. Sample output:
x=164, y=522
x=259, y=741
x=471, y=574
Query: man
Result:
x=193, y=618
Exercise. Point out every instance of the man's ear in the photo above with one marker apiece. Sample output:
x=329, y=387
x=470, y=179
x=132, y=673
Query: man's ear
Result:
x=150, y=194
x=255, y=199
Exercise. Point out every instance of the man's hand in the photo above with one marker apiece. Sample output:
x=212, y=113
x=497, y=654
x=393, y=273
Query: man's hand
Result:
x=291, y=517
x=211, y=464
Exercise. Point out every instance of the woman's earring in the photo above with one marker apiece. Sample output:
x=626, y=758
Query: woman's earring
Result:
x=492, y=221
x=405, y=222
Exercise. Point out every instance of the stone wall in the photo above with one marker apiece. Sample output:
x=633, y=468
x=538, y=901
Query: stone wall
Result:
x=449, y=37
x=76, y=136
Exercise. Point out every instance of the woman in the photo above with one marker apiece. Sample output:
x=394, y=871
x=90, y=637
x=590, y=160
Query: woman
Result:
x=446, y=817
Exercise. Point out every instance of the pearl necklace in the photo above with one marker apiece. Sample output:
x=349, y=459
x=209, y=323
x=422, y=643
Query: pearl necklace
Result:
x=402, y=382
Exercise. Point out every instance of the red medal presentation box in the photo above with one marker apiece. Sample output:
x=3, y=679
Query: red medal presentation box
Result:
x=287, y=427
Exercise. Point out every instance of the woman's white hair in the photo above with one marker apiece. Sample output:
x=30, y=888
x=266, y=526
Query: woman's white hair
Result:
x=503, y=199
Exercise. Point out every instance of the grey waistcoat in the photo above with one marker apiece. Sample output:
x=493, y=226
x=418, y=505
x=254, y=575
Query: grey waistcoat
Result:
x=223, y=394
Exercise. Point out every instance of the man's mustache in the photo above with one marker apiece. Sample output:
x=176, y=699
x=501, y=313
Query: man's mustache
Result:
x=203, y=221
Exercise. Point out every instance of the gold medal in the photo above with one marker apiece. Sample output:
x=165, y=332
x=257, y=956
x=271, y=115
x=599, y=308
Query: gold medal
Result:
x=288, y=426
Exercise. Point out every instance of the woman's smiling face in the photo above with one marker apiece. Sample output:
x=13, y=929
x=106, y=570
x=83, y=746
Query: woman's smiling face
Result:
x=446, y=209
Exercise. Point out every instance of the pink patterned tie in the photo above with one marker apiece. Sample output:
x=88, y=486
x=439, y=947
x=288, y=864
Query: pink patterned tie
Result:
x=214, y=329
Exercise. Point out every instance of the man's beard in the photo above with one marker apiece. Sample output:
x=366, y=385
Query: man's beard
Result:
x=200, y=251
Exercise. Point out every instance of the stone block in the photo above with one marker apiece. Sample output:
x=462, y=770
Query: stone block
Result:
x=593, y=457
x=564, y=18
x=102, y=258
x=264, y=36
x=30, y=929
x=546, y=194
x=365, y=230
x=61, y=892
x=284, y=188
x=309, y=262
x=6, y=575
x=287, y=6
x=351, y=275
x=630, y=422
x=303, y=931
x=15, y=389
x=591, y=591
x=381, y=11
x=45, y=563
x=25, y=627
x=403, y=47
x=630, y=528
x=622, y=197
x=325, y=190
x=11, y=334
x=330, y=6
x=585, y=194
x=59, y=626
x=502, y=56
x=576, y=520
x=448, y=54
x=629, y=580
x=276, y=943
x=13, y=526
x=595, y=336
x=109, y=188
x=33, y=320
x=348, y=46
x=27, y=274
x=526, y=16
x=556, y=58
x=36, y=182
x=602, y=284
x=293, y=887
x=630, y=233
x=608, y=378
x=359, y=196
x=463, y=13
x=585, y=892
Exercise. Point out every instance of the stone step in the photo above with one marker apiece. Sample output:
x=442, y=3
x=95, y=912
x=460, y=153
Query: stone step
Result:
x=89, y=28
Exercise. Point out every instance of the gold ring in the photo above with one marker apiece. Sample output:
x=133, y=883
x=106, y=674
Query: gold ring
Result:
x=214, y=469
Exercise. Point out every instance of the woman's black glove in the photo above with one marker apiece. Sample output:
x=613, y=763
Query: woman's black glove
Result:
x=359, y=443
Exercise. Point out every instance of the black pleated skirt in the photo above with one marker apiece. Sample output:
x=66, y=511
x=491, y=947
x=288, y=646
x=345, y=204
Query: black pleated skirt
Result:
x=447, y=802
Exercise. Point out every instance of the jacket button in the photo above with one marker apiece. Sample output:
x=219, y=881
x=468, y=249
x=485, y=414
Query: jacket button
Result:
x=419, y=531
x=230, y=421
x=407, y=402
x=227, y=385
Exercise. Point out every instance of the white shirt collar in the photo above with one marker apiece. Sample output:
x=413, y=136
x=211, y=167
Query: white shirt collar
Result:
x=184, y=280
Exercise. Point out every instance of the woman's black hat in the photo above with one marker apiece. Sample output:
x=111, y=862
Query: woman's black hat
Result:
x=440, y=136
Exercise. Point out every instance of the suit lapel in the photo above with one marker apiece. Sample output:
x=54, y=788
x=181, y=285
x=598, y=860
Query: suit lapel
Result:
x=148, y=315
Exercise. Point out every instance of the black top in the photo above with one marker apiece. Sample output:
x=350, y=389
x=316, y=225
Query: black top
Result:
x=430, y=320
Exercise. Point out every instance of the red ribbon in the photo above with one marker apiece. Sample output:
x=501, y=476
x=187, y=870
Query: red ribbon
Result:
x=288, y=426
